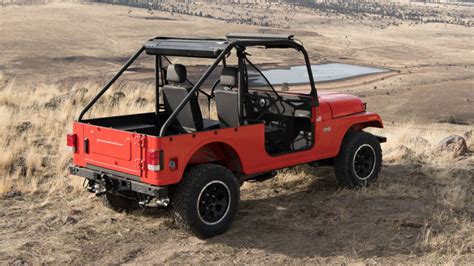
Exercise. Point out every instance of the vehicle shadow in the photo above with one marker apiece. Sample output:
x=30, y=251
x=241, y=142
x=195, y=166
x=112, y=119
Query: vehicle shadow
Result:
x=315, y=218
x=322, y=220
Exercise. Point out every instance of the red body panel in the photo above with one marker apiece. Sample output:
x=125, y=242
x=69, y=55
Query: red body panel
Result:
x=109, y=148
x=342, y=104
x=125, y=151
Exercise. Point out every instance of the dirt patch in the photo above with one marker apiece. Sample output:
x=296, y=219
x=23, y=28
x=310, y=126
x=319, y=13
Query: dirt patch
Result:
x=71, y=59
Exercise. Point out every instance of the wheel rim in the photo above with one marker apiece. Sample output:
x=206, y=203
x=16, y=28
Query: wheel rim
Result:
x=213, y=202
x=364, y=162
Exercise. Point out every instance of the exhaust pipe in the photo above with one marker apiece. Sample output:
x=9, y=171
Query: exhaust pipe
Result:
x=99, y=190
x=155, y=202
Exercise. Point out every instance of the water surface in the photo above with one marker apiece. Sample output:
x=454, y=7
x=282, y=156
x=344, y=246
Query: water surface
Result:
x=321, y=73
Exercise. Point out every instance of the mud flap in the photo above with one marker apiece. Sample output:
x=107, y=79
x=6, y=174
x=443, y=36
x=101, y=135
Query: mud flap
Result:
x=381, y=139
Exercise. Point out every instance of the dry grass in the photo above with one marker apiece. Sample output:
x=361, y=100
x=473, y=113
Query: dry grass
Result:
x=34, y=132
x=410, y=143
x=448, y=234
x=447, y=238
x=5, y=185
x=34, y=158
x=35, y=121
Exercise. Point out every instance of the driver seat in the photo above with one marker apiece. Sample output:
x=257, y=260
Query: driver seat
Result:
x=227, y=98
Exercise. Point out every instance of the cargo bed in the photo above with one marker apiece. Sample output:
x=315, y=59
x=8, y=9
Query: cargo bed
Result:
x=146, y=123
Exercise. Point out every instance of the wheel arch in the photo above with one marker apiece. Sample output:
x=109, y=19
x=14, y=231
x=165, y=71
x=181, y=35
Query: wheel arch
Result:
x=361, y=125
x=217, y=152
x=358, y=126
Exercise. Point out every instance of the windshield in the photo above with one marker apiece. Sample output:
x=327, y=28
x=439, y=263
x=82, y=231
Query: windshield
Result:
x=256, y=80
x=277, y=70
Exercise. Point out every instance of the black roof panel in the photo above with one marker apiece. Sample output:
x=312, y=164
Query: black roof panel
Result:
x=258, y=36
x=211, y=48
x=186, y=47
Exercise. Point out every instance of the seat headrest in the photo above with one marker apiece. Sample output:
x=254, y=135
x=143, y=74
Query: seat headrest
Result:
x=176, y=73
x=229, y=77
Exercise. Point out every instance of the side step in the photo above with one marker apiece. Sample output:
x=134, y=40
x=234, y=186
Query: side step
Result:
x=261, y=176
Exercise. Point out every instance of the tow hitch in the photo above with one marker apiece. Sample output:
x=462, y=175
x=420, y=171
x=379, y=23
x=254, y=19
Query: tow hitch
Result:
x=100, y=183
x=96, y=188
x=100, y=188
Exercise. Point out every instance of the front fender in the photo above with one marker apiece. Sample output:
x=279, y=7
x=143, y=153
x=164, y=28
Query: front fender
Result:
x=353, y=122
x=366, y=119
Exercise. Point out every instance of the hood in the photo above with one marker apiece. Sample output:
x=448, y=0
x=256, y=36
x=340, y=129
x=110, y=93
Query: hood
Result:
x=342, y=104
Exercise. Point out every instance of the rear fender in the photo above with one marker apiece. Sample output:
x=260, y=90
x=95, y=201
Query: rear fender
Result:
x=219, y=153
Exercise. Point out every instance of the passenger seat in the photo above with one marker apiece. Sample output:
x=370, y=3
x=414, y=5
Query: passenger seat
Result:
x=227, y=98
x=190, y=118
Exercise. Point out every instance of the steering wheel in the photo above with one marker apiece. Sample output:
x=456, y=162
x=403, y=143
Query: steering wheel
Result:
x=263, y=104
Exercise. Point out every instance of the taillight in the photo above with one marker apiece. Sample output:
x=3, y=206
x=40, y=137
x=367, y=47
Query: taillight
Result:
x=72, y=141
x=153, y=160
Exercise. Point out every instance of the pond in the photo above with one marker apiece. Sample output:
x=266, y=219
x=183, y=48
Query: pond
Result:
x=321, y=73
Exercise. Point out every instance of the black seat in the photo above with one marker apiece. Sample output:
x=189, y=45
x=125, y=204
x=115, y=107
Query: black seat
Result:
x=227, y=103
x=227, y=98
x=190, y=118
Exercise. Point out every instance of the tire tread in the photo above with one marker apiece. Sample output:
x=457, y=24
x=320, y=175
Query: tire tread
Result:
x=343, y=161
x=183, y=195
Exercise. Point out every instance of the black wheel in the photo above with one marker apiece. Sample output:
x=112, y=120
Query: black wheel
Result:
x=206, y=200
x=118, y=203
x=359, y=160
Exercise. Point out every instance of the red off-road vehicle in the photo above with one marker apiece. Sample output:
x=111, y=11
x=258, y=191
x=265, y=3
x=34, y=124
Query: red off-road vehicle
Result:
x=173, y=156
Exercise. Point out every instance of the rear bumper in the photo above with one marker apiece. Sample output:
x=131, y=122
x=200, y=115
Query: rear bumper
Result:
x=118, y=183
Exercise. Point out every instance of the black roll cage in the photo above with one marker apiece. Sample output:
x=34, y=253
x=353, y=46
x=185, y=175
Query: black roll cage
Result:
x=271, y=41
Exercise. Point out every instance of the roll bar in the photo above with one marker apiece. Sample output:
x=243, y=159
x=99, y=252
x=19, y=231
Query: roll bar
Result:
x=107, y=86
x=193, y=90
x=240, y=44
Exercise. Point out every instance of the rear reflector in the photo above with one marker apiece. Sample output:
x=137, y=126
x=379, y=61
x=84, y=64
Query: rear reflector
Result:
x=72, y=141
x=153, y=160
x=173, y=164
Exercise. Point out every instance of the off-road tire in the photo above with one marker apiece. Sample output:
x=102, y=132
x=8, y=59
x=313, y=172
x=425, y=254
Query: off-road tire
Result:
x=186, y=204
x=118, y=203
x=346, y=166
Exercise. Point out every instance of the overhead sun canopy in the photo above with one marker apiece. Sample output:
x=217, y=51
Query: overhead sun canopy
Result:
x=204, y=48
x=186, y=47
x=211, y=48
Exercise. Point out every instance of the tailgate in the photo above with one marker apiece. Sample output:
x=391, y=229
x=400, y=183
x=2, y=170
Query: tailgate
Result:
x=113, y=149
